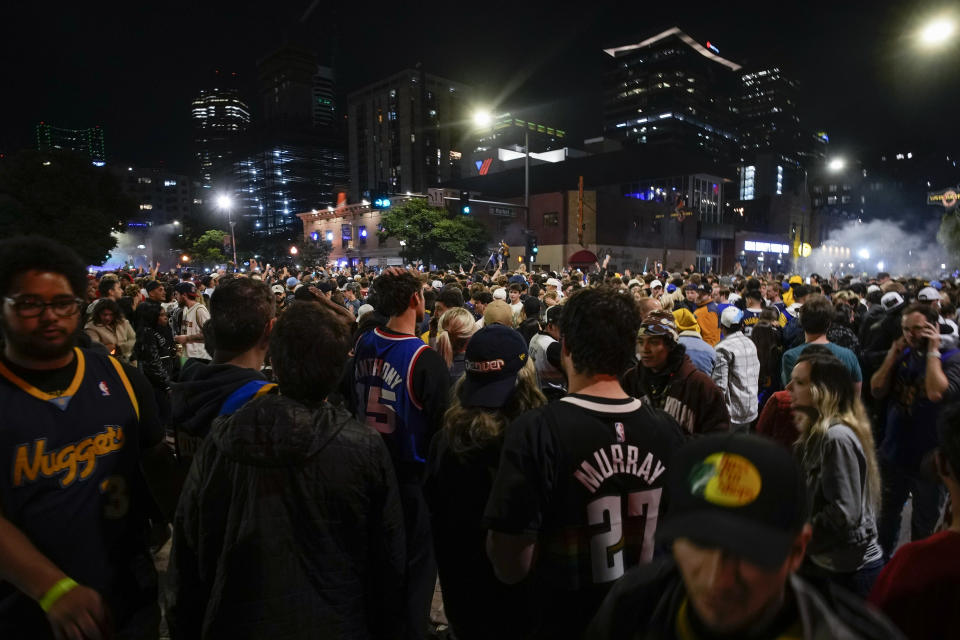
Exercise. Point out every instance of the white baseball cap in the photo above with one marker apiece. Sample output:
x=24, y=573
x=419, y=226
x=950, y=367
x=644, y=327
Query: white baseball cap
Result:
x=891, y=300
x=872, y=288
x=928, y=294
x=436, y=284
x=655, y=283
x=553, y=282
x=731, y=316
x=500, y=294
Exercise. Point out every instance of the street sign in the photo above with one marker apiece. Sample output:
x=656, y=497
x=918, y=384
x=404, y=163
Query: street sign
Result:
x=947, y=198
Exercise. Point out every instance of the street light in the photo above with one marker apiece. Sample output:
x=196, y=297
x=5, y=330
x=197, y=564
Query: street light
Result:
x=837, y=164
x=293, y=251
x=225, y=203
x=937, y=32
x=483, y=119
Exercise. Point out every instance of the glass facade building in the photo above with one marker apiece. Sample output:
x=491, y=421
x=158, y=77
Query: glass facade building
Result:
x=88, y=142
x=671, y=89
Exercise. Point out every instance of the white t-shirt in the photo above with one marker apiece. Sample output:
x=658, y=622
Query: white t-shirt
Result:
x=193, y=320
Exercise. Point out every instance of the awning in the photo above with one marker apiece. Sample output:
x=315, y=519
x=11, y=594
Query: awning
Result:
x=583, y=257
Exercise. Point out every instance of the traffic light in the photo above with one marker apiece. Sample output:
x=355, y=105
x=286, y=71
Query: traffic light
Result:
x=532, y=248
x=465, y=203
x=381, y=202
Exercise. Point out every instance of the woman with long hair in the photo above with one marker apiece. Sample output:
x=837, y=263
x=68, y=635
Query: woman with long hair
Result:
x=454, y=330
x=156, y=354
x=108, y=327
x=838, y=458
x=500, y=383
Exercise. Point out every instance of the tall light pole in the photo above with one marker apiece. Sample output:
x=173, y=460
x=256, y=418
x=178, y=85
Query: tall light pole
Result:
x=484, y=120
x=225, y=203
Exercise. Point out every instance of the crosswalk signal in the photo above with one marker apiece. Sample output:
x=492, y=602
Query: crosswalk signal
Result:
x=465, y=203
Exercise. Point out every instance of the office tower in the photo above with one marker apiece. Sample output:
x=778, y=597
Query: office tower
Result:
x=407, y=132
x=220, y=118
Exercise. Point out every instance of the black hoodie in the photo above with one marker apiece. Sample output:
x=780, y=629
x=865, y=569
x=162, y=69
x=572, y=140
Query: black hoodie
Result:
x=199, y=397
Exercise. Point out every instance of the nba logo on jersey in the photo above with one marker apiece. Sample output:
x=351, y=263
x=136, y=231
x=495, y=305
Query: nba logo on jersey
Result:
x=105, y=390
x=621, y=436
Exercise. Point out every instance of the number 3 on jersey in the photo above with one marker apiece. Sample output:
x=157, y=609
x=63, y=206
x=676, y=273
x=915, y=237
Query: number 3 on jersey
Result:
x=607, y=546
x=380, y=416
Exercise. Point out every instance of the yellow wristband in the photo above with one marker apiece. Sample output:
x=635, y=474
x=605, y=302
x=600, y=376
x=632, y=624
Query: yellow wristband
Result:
x=57, y=591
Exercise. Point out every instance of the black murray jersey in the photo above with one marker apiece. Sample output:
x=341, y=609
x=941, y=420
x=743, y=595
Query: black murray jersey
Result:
x=586, y=475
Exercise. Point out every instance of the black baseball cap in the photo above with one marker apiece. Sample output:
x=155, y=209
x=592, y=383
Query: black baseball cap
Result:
x=738, y=492
x=151, y=285
x=186, y=288
x=494, y=357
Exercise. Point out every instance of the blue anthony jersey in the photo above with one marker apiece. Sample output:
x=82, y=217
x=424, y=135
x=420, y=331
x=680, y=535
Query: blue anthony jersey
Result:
x=71, y=483
x=383, y=379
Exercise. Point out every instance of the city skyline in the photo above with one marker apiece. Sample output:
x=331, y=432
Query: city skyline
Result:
x=862, y=78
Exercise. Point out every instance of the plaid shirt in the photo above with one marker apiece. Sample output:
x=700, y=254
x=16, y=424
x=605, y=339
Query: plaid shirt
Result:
x=737, y=373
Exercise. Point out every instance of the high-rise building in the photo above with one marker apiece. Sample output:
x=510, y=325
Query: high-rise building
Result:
x=162, y=196
x=220, y=118
x=670, y=89
x=324, y=98
x=293, y=160
x=286, y=80
x=88, y=142
x=407, y=133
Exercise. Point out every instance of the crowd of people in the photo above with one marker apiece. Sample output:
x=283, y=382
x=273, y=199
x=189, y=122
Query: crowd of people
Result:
x=560, y=454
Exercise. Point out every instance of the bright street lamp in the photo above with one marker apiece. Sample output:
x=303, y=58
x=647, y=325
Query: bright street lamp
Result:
x=937, y=32
x=837, y=164
x=293, y=251
x=482, y=118
x=225, y=203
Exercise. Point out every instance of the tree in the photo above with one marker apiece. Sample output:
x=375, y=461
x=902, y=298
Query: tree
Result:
x=949, y=233
x=208, y=248
x=432, y=234
x=62, y=196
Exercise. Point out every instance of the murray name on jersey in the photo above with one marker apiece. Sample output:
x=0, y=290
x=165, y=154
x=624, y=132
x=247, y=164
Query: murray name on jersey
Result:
x=616, y=459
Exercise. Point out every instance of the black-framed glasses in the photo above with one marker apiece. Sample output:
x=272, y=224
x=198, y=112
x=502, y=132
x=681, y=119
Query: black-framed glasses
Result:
x=33, y=307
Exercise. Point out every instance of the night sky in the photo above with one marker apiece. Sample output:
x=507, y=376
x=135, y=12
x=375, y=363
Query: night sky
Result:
x=134, y=67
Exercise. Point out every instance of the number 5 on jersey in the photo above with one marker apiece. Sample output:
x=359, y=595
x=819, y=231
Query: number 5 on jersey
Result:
x=607, y=545
x=380, y=416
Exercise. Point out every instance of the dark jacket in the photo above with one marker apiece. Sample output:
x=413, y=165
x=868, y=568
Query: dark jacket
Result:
x=156, y=354
x=686, y=393
x=289, y=526
x=643, y=604
x=529, y=328
x=199, y=397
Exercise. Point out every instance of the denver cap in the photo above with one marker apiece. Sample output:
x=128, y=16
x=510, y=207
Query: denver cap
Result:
x=494, y=357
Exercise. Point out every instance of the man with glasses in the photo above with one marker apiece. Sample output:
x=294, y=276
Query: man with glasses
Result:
x=666, y=378
x=76, y=426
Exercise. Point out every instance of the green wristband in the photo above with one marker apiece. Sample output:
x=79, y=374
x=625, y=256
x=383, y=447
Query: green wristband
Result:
x=57, y=591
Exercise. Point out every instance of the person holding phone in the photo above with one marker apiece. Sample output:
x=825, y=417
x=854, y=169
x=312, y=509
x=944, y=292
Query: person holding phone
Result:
x=919, y=379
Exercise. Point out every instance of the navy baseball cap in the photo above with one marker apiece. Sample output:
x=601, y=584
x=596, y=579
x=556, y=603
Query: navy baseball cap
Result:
x=494, y=357
x=737, y=492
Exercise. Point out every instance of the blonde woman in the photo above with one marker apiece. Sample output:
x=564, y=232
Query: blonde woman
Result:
x=840, y=466
x=454, y=330
x=500, y=383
